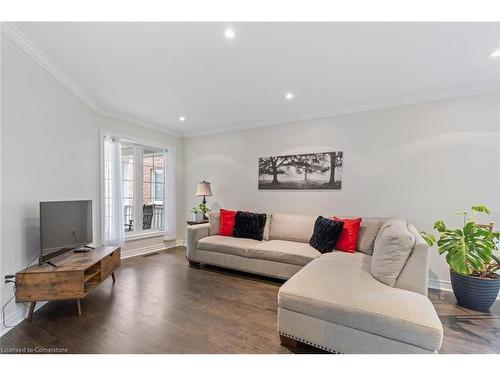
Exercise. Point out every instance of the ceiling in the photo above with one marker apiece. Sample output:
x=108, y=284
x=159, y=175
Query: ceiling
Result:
x=152, y=73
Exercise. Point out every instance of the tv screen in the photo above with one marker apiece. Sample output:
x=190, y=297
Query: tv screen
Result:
x=64, y=226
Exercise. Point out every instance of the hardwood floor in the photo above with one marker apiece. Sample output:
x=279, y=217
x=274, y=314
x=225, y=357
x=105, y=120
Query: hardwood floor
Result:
x=159, y=304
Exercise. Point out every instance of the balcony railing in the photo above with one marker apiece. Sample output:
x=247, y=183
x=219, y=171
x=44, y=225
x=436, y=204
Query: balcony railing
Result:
x=153, y=217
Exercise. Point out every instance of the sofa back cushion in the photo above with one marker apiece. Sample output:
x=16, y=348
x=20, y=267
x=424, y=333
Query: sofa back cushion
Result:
x=368, y=231
x=267, y=227
x=288, y=227
x=392, y=248
x=213, y=223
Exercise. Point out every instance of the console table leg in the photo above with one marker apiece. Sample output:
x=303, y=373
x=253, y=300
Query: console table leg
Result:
x=32, y=310
x=113, y=276
x=78, y=307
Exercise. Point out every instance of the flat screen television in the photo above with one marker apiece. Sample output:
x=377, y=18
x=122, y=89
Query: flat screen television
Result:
x=64, y=226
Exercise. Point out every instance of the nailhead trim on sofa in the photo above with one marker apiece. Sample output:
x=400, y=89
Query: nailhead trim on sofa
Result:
x=309, y=343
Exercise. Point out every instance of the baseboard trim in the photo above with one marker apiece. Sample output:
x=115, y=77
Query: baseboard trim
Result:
x=440, y=284
x=17, y=317
x=151, y=249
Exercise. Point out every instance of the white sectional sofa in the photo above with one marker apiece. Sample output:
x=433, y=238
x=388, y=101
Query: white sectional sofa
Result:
x=332, y=301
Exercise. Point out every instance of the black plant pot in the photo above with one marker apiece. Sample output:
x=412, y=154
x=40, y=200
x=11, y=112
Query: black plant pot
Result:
x=474, y=292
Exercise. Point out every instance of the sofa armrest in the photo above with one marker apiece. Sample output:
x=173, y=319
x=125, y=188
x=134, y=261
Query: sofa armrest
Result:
x=415, y=274
x=194, y=234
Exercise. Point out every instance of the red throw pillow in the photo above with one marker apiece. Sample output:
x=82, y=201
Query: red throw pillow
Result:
x=349, y=236
x=227, y=220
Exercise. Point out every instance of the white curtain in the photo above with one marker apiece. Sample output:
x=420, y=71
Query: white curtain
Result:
x=113, y=227
x=170, y=195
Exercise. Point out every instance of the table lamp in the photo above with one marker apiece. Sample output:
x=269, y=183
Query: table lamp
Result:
x=203, y=189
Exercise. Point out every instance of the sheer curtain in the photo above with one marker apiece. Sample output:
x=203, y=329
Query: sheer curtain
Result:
x=113, y=232
x=170, y=195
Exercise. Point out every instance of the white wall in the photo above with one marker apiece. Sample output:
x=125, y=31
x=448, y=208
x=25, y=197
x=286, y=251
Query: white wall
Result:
x=421, y=162
x=50, y=151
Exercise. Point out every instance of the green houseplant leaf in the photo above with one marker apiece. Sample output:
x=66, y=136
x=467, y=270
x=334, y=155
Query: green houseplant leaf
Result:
x=481, y=209
x=440, y=226
x=429, y=238
x=468, y=250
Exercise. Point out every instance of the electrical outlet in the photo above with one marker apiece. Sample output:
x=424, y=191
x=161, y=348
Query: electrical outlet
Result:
x=9, y=279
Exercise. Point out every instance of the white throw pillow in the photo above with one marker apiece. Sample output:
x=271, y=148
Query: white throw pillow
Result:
x=213, y=223
x=265, y=235
x=392, y=248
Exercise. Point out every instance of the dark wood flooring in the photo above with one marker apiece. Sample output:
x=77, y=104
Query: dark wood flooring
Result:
x=159, y=304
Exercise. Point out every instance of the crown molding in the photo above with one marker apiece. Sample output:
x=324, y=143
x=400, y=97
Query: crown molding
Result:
x=349, y=110
x=22, y=41
x=133, y=121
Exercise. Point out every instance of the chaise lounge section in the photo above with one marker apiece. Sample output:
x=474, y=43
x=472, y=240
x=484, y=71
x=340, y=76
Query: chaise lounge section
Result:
x=337, y=305
x=333, y=301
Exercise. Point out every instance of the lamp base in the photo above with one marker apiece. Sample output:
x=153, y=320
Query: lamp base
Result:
x=204, y=201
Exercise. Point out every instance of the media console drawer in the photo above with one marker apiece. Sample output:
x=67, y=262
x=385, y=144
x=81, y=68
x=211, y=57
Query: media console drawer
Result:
x=110, y=263
x=48, y=286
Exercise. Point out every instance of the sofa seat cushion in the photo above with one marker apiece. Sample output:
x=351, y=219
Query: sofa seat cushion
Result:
x=227, y=245
x=290, y=252
x=338, y=287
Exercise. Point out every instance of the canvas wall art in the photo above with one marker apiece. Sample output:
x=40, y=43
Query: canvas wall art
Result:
x=301, y=171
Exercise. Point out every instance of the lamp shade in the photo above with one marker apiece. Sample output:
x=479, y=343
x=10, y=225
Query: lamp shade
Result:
x=203, y=189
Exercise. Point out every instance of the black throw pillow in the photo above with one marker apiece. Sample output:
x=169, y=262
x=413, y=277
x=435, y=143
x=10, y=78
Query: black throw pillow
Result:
x=326, y=234
x=249, y=225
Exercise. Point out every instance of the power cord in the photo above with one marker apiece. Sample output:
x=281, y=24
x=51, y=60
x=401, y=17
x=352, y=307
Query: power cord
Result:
x=14, y=293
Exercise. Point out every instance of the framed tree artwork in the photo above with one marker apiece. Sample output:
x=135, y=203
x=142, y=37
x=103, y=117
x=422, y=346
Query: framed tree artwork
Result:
x=301, y=171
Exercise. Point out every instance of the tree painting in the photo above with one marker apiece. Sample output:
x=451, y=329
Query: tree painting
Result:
x=301, y=171
x=335, y=163
x=308, y=164
x=273, y=166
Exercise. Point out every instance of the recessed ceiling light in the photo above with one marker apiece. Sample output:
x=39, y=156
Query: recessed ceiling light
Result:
x=289, y=96
x=229, y=33
x=495, y=53
x=182, y=118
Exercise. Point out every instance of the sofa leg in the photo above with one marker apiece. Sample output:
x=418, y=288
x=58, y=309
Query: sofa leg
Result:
x=288, y=342
x=194, y=264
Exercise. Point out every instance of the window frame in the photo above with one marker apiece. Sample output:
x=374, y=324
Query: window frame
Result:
x=138, y=184
x=139, y=233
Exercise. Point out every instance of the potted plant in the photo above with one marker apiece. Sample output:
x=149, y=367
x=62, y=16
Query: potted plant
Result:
x=202, y=207
x=199, y=212
x=197, y=215
x=472, y=254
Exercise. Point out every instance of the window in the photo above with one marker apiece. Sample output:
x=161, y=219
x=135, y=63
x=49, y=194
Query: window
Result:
x=128, y=186
x=143, y=181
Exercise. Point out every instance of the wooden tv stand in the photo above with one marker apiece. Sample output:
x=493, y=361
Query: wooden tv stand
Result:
x=75, y=276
